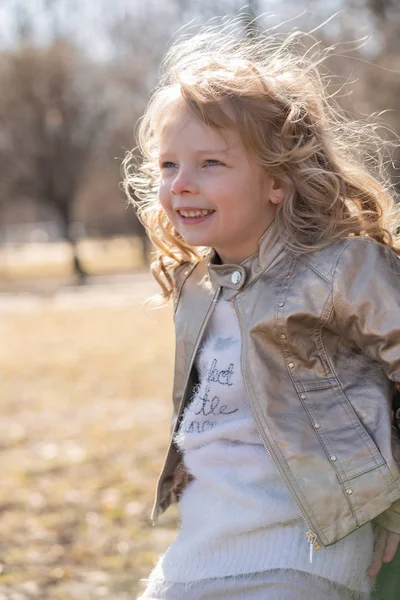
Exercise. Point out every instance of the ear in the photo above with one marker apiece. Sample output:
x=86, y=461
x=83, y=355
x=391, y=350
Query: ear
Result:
x=277, y=191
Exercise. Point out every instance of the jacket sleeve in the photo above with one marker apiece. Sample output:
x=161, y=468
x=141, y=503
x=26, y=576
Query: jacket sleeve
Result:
x=366, y=300
x=390, y=519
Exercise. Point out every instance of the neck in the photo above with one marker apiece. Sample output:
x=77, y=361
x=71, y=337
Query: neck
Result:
x=223, y=258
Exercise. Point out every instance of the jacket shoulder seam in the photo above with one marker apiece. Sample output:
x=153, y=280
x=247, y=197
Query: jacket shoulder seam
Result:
x=321, y=272
x=318, y=267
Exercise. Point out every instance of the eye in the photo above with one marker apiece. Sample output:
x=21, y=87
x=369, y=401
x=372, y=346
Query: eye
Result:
x=213, y=162
x=168, y=164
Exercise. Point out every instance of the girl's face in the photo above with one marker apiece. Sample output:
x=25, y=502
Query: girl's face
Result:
x=212, y=191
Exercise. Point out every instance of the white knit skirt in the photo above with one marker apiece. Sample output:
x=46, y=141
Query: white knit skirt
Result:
x=275, y=584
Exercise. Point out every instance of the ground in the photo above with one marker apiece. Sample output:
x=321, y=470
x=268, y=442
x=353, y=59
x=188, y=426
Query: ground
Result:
x=86, y=376
x=85, y=404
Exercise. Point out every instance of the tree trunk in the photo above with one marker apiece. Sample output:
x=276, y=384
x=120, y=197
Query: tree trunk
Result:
x=64, y=210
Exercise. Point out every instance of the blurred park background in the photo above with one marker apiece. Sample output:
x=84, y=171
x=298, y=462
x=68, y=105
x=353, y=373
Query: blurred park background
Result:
x=85, y=367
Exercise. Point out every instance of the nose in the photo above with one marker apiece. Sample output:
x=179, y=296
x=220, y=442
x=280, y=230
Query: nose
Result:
x=184, y=182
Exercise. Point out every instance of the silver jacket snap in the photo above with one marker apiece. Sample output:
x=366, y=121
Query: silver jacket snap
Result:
x=236, y=277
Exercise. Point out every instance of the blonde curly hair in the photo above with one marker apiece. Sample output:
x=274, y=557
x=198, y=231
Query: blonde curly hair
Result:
x=275, y=89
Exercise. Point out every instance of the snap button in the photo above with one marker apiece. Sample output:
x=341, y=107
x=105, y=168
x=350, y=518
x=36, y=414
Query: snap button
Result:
x=291, y=366
x=333, y=458
x=303, y=396
x=317, y=425
x=281, y=303
x=236, y=277
x=283, y=337
x=349, y=492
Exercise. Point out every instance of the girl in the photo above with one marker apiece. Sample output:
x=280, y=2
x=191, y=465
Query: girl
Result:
x=279, y=249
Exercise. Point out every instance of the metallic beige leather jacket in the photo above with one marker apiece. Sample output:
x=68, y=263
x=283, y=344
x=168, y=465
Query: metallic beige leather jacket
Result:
x=320, y=357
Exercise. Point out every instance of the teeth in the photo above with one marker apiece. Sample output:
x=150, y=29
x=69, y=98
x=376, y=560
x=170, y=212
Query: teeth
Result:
x=194, y=213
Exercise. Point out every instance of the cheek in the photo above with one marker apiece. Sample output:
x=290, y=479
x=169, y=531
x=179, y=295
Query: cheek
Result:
x=164, y=197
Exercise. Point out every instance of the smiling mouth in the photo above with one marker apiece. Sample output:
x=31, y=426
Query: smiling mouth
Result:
x=196, y=212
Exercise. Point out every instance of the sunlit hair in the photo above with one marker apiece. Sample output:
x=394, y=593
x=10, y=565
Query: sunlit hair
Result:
x=272, y=90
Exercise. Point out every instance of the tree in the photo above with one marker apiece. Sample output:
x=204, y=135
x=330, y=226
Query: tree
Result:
x=53, y=114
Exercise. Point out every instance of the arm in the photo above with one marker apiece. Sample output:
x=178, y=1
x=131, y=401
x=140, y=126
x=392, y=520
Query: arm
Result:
x=390, y=519
x=366, y=299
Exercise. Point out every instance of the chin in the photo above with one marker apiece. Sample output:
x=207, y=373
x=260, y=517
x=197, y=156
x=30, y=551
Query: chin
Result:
x=197, y=240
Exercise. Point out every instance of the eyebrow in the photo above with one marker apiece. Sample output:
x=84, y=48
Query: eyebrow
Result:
x=198, y=152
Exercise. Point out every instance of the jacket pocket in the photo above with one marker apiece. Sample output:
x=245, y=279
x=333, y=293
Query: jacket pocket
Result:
x=349, y=447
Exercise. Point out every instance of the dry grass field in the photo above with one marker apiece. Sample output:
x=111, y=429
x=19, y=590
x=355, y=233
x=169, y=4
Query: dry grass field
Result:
x=85, y=409
x=28, y=261
x=85, y=380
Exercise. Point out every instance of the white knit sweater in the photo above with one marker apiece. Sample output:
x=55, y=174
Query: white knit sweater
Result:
x=237, y=515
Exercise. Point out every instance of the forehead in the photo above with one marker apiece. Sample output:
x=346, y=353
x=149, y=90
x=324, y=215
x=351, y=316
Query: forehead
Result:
x=182, y=129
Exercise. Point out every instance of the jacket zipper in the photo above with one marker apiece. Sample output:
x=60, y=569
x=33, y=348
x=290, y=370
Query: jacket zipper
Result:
x=311, y=536
x=199, y=337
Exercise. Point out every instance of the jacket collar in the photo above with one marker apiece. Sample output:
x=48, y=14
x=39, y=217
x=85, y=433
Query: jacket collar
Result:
x=236, y=276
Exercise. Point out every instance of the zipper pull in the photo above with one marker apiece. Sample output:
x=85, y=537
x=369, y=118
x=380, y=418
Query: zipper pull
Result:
x=312, y=543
